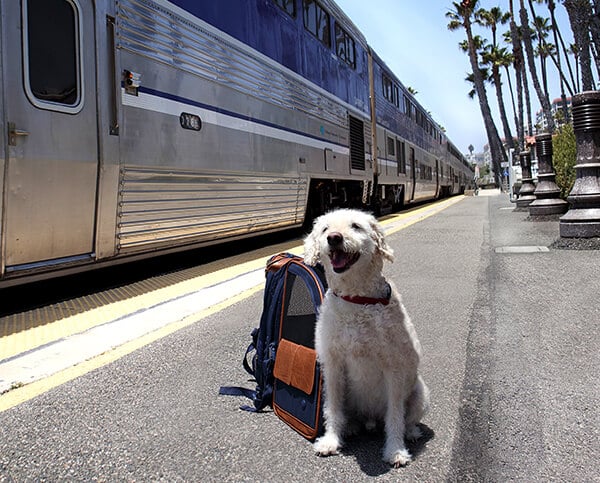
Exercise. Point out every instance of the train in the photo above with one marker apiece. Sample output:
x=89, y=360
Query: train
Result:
x=134, y=128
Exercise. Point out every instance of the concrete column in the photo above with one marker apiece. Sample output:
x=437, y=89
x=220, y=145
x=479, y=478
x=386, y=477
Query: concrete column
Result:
x=583, y=218
x=547, y=193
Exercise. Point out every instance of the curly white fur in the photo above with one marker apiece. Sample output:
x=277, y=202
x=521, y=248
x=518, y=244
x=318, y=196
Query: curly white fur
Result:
x=369, y=354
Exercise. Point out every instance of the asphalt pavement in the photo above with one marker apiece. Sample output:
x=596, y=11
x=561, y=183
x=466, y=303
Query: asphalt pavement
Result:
x=509, y=329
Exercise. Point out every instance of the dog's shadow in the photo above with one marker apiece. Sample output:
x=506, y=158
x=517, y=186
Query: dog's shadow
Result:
x=367, y=448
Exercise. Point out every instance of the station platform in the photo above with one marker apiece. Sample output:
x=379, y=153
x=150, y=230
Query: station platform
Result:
x=506, y=314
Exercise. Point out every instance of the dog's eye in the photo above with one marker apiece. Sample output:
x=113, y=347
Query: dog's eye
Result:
x=324, y=230
x=356, y=226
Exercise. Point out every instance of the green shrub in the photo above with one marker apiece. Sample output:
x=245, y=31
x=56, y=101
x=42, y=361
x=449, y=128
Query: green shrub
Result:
x=564, y=155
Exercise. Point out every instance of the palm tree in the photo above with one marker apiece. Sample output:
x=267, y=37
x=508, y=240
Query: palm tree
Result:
x=461, y=16
x=526, y=38
x=595, y=31
x=579, y=12
x=494, y=56
x=556, y=58
x=574, y=51
x=471, y=80
x=563, y=82
x=514, y=37
x=558, y=38
x=507, y=61
x=543, y=49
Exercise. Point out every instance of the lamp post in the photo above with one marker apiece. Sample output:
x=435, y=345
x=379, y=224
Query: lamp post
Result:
x=583, y=218
x=526, y=196
x=547, y=193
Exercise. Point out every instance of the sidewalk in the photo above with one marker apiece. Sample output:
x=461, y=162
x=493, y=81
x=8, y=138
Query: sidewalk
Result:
x=542, y=393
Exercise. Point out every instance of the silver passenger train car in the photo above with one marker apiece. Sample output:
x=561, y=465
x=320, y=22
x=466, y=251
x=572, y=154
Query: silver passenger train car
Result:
x=137, y=127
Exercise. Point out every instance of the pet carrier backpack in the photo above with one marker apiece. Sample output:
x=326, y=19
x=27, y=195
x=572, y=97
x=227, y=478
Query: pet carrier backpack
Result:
x=284, y=361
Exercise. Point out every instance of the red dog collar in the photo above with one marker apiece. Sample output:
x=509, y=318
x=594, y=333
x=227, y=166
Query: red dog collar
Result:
x=358, y=299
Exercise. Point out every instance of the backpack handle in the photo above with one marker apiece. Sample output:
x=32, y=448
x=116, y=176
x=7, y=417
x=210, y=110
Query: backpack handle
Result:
x=277, y=262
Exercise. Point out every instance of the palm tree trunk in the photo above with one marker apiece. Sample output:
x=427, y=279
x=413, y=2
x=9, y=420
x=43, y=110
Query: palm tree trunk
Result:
x=518, y=66
x=496, y=149
x=542, y=51
x=565, y=51
x=579, y=20
x=527, y=101
x=557, y=61
x=595, y=32
x=505, y=126
x=544, y=101
x=514, y=106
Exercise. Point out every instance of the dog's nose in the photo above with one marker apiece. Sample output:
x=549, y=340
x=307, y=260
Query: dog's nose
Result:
x=334, y=239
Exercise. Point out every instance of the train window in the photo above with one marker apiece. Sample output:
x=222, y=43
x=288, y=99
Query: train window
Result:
x=344, y=46
x=288, y=6
x=316, y=21
x=388, y=88
x=51, y=45
x=391, y=146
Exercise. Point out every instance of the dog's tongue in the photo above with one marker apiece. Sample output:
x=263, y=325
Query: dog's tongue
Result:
x=339, y=259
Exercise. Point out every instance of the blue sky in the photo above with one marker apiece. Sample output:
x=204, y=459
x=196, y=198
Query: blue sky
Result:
x=412, y=38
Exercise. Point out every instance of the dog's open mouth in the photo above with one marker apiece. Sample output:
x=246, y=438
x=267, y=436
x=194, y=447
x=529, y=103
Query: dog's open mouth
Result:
x=342, y=260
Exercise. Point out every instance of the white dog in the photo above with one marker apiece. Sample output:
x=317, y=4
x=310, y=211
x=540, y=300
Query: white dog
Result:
x=366, y=345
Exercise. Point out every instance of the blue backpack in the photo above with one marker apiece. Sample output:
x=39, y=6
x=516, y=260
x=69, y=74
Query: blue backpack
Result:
x=292, y=296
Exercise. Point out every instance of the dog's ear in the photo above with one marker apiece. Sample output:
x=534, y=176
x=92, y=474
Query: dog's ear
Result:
x=311, y=248
x=381, y=244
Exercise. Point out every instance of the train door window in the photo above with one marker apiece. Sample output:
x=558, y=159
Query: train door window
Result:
x=391, y=147
x=316, y=21
x=51, y=53
x=288, y=6
x=401, y=157
x=344, y=46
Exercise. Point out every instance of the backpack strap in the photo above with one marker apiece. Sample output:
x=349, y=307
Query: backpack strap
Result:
x=250, y=369
x=240, y=391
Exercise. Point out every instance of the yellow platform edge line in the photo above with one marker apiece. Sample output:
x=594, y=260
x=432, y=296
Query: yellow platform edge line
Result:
x=29, y=391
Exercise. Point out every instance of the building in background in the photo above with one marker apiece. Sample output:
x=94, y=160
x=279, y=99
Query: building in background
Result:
x=557, y=112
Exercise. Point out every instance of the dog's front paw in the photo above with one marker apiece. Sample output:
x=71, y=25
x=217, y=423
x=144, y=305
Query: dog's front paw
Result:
x=397, y=458
x=327, y=445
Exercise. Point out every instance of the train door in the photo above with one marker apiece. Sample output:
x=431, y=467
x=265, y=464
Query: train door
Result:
x=413, y=173
x=437, y=179
x=50, y=110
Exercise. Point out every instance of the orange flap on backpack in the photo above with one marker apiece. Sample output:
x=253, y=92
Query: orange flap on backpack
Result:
x=295, y=365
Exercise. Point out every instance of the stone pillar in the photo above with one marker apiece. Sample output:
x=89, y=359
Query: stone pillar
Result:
x=547, y=193
x=527, y=187
x=583, y=218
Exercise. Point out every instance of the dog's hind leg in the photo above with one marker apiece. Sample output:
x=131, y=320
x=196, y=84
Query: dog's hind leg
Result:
x=416, y=407
x=394, y=451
